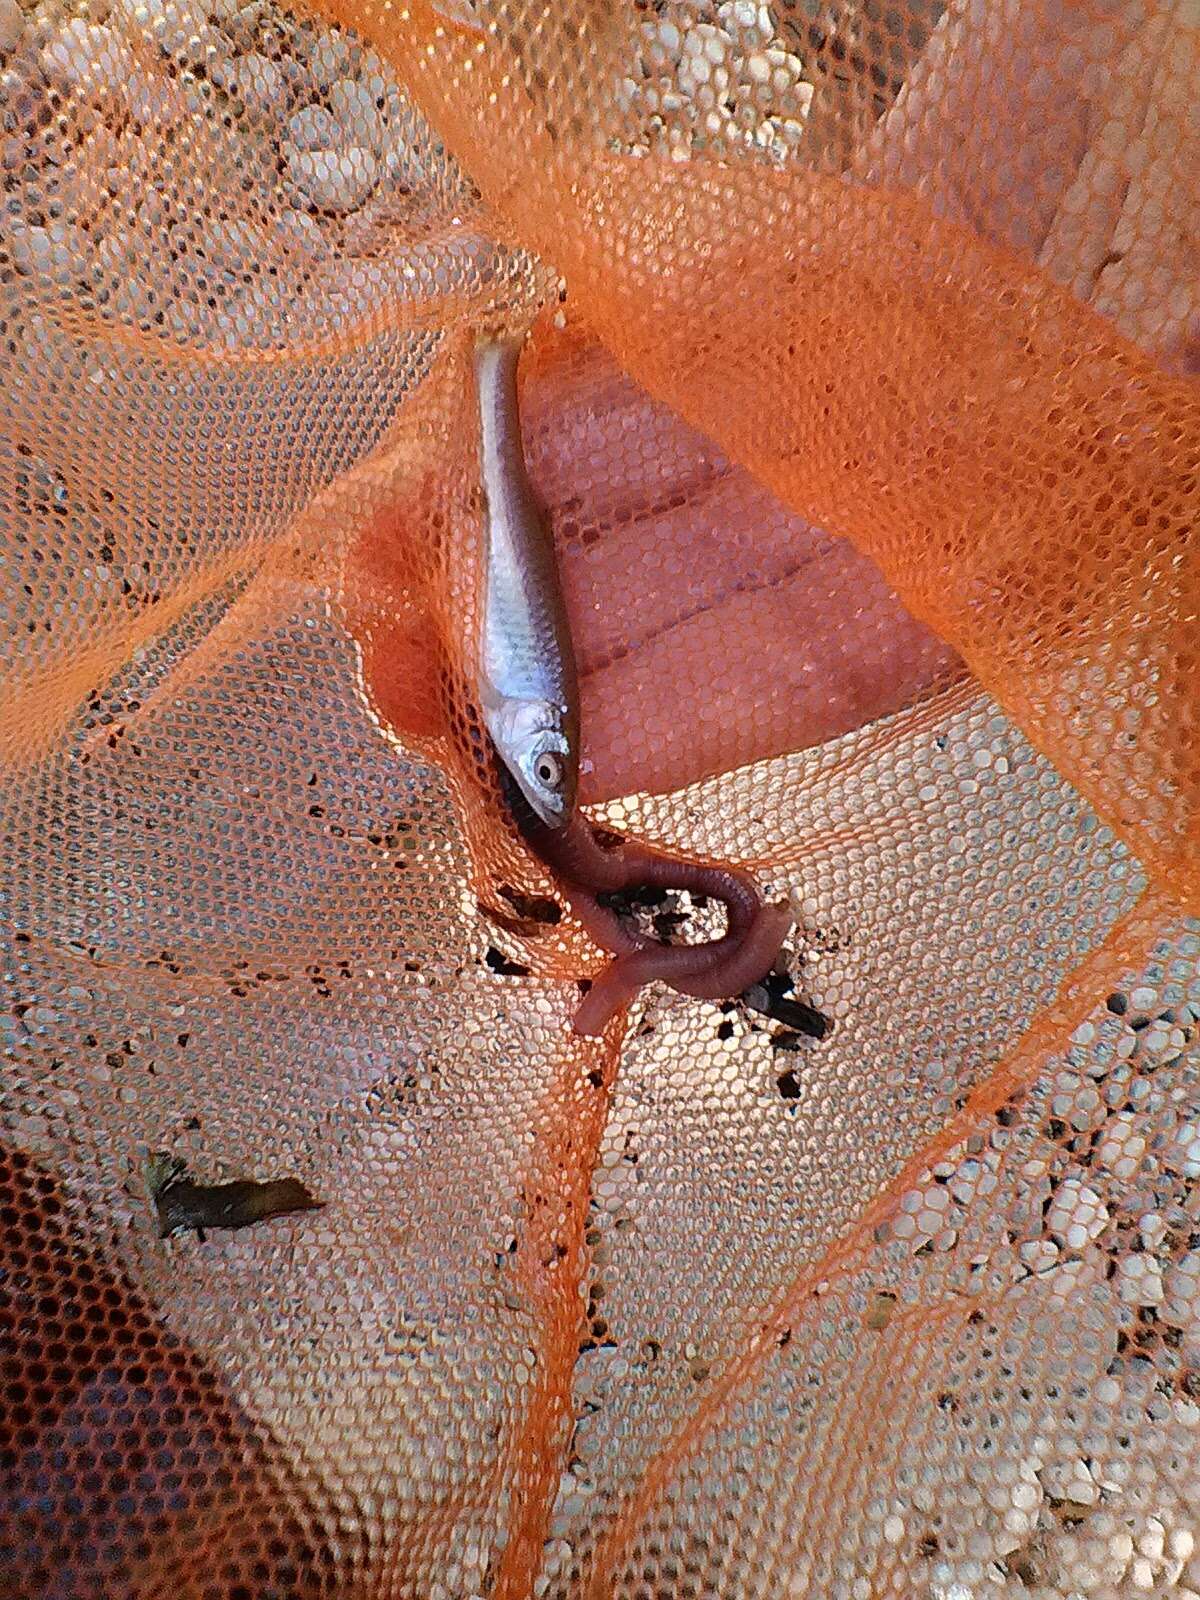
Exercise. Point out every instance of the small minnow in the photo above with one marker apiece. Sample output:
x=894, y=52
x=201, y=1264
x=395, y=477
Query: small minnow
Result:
x=182, y=1203
x=529, y=690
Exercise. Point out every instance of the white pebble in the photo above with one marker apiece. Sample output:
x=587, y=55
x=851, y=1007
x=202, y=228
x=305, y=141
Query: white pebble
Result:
x=973, y=1180
x=336, y=180
x=893, y=1529
x=1140, y=1280
x=693, y=71
x=1181, y=1298
x=354, y=108
x=375, y=76
x=713, y=42
x=330, y=58
x=401, y=161
x=1143, y=998
x=1121, y=1146
x=664, y=44
x=232, y=244
x=301, y=234
x=925, y=1215
x=88, y=59
x=786, y=70
x=1073, y=1481
x=1183, y=1155
x=314, y=128
x=1039, y=1255
x=1180, y=1544
x=260, y=85
x=1141, y=1574
x=44, y=252
x=1026, y=1496
x=1155, y=1039
x=1152, y=1228
x=753, y=22
x=12, y=25
x=1153, y=1541
x=180, y=28
x=1076, y=1215
x=758, y=68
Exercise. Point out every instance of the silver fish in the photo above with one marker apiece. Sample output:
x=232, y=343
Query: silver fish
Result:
x=528, y=685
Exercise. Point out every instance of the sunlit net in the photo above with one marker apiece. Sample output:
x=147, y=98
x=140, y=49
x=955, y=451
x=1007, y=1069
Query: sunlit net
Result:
x=713, y=1308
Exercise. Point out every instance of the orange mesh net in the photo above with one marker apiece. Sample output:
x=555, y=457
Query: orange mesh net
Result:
x=862, y=396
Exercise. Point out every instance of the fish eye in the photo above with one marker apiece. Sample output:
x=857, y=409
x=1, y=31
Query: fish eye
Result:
x=548, y=769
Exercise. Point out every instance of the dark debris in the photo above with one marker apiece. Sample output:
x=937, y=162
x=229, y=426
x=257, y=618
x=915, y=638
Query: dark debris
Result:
x=183, y=1203
x=775, y=997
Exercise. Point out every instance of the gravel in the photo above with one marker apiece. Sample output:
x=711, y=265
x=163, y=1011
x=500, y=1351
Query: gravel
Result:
x=1104, y=1203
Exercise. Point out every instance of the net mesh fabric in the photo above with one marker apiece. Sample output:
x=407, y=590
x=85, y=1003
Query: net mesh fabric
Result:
x=865, y=352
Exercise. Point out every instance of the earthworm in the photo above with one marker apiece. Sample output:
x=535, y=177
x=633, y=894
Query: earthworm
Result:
x=586, y=868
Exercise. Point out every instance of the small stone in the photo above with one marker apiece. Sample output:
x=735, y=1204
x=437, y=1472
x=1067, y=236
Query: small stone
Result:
x=1152, y=1229
x=180, y=29
x=1026, y=1496
x=750, y=21
x=758, y=68
x=375, y=76
x=302, y=235
x=331, y=58
x=1140, y=1280
x=260, y=85
x=1181, y=1292
x=43, y=252
x=706, y=42
x=1121, y=1147
x=114, y=254
x=335, y=180
x=12, y=25
x=1120, y=1551
x=893, y=1529
x=972, y=1181
x=791, y=130
x=354, y=108
x=1039, y=1255
x=1181, y=1542
x=1183, y=1154
x=664, y=43
x=1076, y=1215
x=88, y=59
x=231, y=244
x=1152, y=1542
x=694, y=70
x=314, y=128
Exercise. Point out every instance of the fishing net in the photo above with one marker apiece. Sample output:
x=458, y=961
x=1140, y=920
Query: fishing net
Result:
x=862, y=396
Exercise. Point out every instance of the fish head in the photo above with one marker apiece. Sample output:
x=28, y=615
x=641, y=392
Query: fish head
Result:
x=537, y=744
